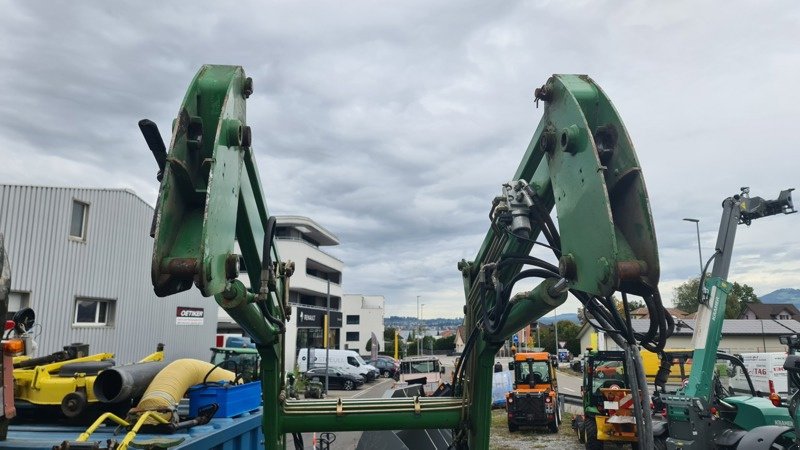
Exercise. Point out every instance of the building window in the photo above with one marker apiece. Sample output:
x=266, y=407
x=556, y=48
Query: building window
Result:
x=92, y=312
x=352, y=336
x=354, y=320
x=783, y=317
x=77, y=225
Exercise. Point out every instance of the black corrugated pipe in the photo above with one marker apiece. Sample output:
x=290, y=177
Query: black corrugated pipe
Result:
x=122, y=383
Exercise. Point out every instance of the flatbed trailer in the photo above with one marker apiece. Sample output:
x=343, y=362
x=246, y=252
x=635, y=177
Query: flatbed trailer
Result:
x=239, y=433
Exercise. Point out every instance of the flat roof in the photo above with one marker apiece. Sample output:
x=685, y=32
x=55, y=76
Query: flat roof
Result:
x=308, y=227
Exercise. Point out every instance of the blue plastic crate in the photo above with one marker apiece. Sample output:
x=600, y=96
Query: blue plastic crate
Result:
x=233, y=399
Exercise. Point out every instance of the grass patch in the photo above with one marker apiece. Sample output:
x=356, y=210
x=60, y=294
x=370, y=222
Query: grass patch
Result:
x=502, y=439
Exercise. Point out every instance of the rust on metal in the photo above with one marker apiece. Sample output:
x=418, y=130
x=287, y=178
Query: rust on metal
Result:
x=181, y=267
x=631, y=270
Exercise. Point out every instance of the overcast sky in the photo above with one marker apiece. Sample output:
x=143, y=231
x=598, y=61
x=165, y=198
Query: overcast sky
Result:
x=393, y=125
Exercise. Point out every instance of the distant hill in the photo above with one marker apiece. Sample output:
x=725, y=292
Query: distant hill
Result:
x=786, y=295
x=570, y=317
x=408, y=322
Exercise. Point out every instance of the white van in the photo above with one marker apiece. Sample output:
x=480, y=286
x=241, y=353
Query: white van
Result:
x=347, y=360
x=766, y=371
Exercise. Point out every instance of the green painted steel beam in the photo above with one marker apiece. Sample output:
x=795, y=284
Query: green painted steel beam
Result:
x=381, y=415
x=581, y=161
x=211, y=199
x=530, y=306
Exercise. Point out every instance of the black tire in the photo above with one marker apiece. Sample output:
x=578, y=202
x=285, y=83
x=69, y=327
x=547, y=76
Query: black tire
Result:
x=553, y=426
x=591, y=435
x=581, y=434
x=512, y=427
x=348, y=385
x=660, y=443
x=73, y=404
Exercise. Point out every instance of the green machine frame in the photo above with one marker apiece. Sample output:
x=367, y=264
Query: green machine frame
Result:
x=580, y=160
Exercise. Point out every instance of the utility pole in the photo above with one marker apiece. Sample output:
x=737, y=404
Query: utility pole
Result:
x=421, y=334
x=555, y=326
x=327, y=333
x=418, y=325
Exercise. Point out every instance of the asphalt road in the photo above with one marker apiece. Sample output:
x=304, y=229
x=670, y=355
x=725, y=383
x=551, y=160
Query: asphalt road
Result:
x=347, y=439
x=567, y=384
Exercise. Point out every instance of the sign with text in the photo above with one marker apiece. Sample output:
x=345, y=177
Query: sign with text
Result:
x=185, y=315
x=314, y=318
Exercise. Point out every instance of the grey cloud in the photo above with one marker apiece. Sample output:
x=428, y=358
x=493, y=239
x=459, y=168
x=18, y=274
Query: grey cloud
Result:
x=394, y=125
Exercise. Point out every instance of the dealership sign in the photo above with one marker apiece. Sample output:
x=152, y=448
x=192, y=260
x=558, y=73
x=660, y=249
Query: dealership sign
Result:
x=189, y=316
x=315, y=318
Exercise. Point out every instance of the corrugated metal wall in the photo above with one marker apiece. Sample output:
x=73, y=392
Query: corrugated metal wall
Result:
x=113, y=263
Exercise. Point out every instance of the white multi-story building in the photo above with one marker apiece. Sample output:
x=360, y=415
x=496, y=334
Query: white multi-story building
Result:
x=363, y=316
x=317, y=276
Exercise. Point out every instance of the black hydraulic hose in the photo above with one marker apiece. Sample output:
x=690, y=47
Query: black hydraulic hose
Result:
x=631, y=338
x=298, y=441
x=492, y=322
x=703, y=275
x=657, y=325
x=266, y=264
x=269, y=235
x=465, y=355
x=532, y=241
x=530, y=260
x=506, y=293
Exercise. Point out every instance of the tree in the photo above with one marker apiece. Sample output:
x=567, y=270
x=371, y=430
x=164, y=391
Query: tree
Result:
x=446, y=343
x=685, y=298
x=567, y=331
x=388, y=333
x=633, y=305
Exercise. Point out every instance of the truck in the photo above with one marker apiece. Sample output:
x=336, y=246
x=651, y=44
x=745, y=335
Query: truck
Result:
x=767, y=372
x=534, y=399
x=423, y=370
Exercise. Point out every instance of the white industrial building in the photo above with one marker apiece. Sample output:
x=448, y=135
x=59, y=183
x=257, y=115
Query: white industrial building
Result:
x=363, y=316
x=80, y=258
x=738, y=335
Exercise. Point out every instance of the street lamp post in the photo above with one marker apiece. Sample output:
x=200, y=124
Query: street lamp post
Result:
x=422, y=336
x=699, y=251
x=419, y=326
x=555, y=327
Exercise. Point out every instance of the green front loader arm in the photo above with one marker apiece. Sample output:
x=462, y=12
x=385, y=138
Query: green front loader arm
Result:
x=580, y=160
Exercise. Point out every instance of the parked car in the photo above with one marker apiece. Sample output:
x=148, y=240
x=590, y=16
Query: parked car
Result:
x=337, y=379
x=386, y=367
x=345, y=360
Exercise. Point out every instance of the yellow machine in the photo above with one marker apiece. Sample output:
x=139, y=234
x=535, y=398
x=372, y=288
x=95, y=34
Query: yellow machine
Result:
x=68, y=383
